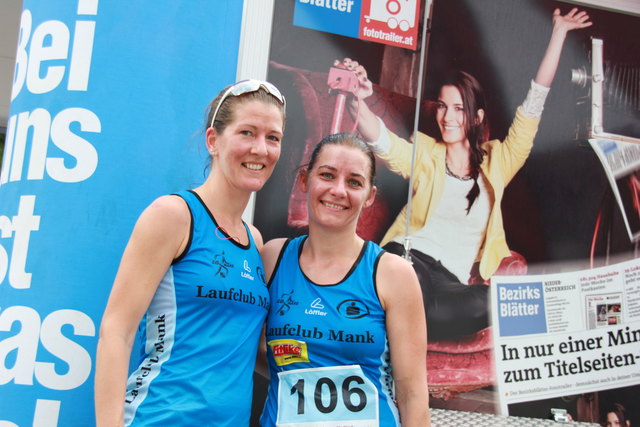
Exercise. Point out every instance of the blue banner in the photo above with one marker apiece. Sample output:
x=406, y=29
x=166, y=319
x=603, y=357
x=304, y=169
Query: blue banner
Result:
x=107, y=114
x=340, y=17
x=521, y=309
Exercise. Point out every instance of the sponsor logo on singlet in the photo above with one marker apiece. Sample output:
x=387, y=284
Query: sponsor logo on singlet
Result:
x=353, y=309
x=316, y=307
x=287, y=351
x=223, y=265
x=247, y=271
x=285, y=302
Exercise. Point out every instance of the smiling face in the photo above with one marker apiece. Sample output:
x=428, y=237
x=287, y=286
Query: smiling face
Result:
x=338, y=186
x=450, y=115
x=249, y=147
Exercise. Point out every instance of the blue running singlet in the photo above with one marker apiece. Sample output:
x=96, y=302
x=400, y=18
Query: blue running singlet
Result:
x=201, y=333
x=327, y=347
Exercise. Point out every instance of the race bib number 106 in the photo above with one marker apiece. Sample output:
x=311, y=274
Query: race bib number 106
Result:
x=326, y=397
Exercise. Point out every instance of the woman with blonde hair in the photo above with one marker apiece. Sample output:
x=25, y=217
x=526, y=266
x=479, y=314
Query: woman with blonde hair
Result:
x=192, y=273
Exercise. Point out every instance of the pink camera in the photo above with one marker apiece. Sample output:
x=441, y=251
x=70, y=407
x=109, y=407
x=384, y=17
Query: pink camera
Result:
x=343, y=80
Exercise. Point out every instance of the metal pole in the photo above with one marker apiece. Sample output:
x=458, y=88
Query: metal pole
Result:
x=423, y=55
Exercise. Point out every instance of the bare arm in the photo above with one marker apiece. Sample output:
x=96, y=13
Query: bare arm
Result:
x=407, y=333
x=368, y=125
x=269, y=253
x=257, y=236
x=561, y=26
x=159, y=236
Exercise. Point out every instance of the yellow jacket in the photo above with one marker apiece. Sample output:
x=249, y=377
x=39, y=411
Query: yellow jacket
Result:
x=499, y=166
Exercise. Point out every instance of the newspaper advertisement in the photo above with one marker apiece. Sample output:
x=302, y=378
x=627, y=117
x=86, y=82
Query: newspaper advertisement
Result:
x=566, y=333
x=621, y=163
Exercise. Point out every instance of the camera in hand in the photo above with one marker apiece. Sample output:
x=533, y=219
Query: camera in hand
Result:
x=342, y=80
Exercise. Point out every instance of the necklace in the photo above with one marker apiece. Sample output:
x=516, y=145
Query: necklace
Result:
x=225, y=232
x=461, y=178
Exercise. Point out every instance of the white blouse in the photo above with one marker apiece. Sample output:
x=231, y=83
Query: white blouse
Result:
x=451, y=236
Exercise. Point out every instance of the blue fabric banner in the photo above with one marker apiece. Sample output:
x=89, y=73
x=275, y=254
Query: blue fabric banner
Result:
x=107, y=113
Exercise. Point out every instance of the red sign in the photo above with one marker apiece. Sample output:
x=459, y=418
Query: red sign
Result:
x=393, y=22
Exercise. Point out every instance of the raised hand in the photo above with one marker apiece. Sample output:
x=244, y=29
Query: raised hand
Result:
x=571, y=21
x=562, y=24
x=365, y=88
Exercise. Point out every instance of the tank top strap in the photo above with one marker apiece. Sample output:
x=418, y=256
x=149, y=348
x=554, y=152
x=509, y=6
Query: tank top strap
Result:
x=363, y=275
x=288, y=258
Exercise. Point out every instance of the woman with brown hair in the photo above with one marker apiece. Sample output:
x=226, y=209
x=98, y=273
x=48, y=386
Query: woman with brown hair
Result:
x=458, y=184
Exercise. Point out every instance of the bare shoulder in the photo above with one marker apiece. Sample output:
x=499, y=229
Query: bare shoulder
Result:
x=396, y=278
x=270, y=253
x=166, y=219
x=170, y=208
x=257, y=236
x=392, y=265
x=272, y=249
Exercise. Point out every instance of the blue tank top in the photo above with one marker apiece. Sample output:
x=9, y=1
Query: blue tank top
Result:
x=327, y=346
x=201, y=332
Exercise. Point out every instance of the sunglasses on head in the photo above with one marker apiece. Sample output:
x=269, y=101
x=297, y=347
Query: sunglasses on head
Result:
x=248, y=86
